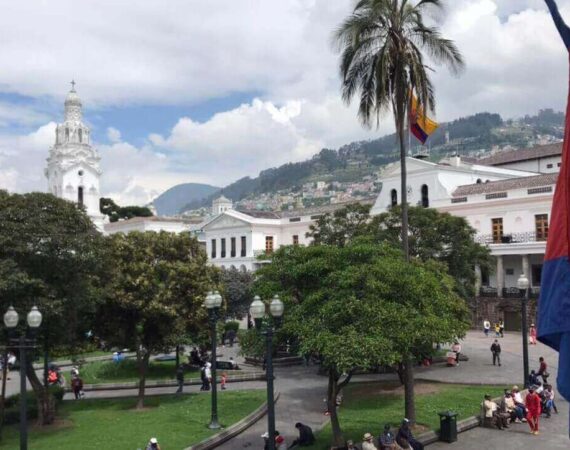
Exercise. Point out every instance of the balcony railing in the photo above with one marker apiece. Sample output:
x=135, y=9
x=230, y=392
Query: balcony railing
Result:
x=511, y=238
x=510, y=292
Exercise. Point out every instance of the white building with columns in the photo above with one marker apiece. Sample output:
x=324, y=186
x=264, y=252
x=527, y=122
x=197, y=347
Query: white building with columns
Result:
x=73, y=171
x=506, y=198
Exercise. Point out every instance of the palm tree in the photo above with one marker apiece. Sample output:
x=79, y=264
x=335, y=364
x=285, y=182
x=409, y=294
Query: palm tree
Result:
x=382, y=45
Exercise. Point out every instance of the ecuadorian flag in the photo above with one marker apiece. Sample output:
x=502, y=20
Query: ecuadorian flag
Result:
x=554, y=303
x=421, y=126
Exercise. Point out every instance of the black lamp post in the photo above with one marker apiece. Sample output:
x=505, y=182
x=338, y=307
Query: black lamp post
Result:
x=267, y=328
x=523, y=285
x=213, y=303
x=24, y=342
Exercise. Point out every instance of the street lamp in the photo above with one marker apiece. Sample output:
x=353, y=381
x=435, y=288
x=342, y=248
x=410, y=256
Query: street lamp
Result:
x=34, y=320
x=213, y=302
x=523, y=285
x=257, y=310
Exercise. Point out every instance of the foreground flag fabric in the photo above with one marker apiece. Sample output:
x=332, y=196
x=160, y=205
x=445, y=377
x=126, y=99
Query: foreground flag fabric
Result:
x=554, y=303
x=421, y=126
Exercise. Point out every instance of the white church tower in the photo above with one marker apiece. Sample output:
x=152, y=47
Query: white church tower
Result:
x=73, y=165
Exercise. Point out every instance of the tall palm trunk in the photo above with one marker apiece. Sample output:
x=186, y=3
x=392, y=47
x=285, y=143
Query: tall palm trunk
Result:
x=400, y=111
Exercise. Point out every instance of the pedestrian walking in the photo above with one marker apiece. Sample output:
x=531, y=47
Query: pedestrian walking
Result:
x=543, y=370
x=456, y=347
x=502, y=327
x=208, y=373
x=180, y=379
x=496, y=351
x=224, y=380
x=533, y=408
x=203, y=376
x=486, y=327
x=77, y=387
x=497, y=329
x=532, y=335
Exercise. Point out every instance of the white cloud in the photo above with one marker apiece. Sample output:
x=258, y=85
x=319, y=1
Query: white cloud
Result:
x=113, y=135
x=182, y=51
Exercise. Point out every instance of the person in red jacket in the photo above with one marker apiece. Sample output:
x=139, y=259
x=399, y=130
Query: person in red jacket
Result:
x=533, y=408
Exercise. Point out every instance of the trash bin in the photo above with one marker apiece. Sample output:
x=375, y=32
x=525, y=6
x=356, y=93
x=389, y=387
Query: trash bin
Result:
x=448, y=426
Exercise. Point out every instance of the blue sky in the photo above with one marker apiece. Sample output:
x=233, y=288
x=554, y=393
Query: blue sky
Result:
x=203, y=91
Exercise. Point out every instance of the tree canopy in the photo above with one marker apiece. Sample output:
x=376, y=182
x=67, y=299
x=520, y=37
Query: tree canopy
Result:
x=115, y=212
x=361, y=305
x=51, y=256
x=236, y=285
x=156, y=293
x=432, y=236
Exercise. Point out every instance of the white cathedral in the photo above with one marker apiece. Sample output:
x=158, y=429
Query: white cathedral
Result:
x=73, y=171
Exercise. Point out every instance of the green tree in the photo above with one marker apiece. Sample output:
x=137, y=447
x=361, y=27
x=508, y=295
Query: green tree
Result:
x=437, y=236
x=361, y=306
x=383, y=44
x=236, y=285
x=115, y=212
x=51, y=256
x=156, y=294
x=340, y=226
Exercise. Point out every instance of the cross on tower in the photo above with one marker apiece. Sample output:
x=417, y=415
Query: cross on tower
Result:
x=73, y=85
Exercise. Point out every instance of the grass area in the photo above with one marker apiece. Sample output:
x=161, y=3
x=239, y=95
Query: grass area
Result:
x=176, y=422
x=368, y=406
x=83, y=355
x=111, y=372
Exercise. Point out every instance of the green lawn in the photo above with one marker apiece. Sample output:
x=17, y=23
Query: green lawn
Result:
x=176, y=422
x=368, y=406
x=111, y=372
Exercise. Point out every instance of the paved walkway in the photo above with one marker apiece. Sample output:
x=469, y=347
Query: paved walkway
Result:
x=302, y=394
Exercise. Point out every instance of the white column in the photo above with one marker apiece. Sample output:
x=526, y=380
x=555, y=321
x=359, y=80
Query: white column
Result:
x=500, y=275
x=525, y=268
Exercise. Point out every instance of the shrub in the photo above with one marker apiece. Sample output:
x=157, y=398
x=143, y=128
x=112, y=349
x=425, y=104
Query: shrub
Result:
x=232, y=325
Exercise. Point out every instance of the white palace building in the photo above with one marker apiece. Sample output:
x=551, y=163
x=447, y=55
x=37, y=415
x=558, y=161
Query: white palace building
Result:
x=505, y=197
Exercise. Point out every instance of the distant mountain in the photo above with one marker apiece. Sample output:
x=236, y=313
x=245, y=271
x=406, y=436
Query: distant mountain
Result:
x=174, y=199
x=472, y=135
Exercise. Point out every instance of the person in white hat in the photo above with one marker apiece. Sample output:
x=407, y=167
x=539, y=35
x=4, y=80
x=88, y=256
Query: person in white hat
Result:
x=368, y=443
x=153, y=444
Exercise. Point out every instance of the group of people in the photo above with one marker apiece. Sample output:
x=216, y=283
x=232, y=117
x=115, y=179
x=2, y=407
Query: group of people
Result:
x=305, y=439
x=514, y=409
x=387, y=440
x=499, y=328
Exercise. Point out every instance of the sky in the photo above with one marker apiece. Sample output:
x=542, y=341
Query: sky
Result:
x=210, y=91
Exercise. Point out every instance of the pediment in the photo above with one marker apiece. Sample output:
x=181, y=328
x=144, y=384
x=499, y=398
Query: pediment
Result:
x=412, y=165
x=225, y=221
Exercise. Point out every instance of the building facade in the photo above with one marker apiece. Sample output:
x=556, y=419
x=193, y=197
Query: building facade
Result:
x=73, y=171
x=241, y=239
x=506, y=198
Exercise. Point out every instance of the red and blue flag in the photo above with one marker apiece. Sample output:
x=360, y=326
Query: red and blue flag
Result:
x=554, y=303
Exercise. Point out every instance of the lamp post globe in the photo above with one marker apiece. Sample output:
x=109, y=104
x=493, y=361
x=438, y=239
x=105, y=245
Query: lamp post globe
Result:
x=34, y=318
x=11, y=318
x=522, y=282
x=209, y=301
x=217, y=299
x=257, y=308
x=276, y=307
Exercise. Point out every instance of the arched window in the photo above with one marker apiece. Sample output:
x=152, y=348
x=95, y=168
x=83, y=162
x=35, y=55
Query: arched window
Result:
x=425, y=196
x=80, y=135
x=80, y=195
x=394, y=197
x=479, y=180
x=67, y=133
